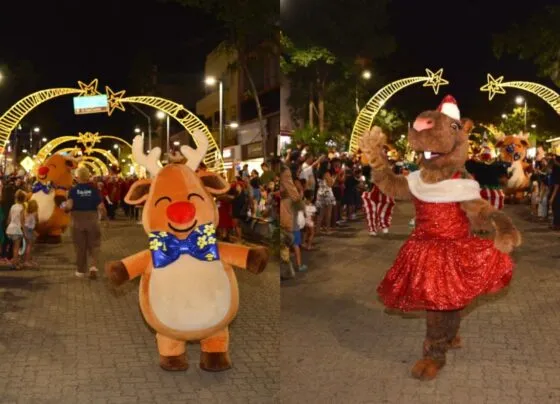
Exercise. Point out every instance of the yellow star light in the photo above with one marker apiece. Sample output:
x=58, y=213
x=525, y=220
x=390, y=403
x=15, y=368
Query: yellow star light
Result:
x=435, y=80
x=89, y=89
x=494, y=86
x=114, y=100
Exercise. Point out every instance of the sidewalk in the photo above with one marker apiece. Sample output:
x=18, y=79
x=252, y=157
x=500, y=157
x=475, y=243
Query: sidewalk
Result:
x=68, y=340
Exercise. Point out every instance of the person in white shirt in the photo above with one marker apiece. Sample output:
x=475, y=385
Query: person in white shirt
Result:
x=14, y=231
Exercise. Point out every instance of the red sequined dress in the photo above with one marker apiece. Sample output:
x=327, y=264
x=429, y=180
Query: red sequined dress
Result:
x=442, y=266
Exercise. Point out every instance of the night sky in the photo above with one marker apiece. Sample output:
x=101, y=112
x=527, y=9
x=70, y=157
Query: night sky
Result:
x=459, y=40
x=67, y=41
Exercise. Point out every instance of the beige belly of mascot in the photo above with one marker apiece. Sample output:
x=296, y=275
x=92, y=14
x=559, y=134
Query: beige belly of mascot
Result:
x=189, y=299
x=52, y=221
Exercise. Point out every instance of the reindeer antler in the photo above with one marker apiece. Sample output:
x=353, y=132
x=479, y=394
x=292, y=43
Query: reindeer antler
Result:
x=194, y=157
x=150, y=161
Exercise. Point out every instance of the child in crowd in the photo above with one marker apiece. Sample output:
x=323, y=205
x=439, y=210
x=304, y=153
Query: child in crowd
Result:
x=535, y=197
x=310, y=212
x=31, y=218
x=14, y=230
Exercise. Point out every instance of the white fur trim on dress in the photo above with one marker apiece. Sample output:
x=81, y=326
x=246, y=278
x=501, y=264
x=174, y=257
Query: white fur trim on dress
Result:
x=451, y=110
x=458, y=190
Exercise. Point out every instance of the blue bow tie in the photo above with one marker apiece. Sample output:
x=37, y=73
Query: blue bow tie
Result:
x=200, y=244
x=39, y=186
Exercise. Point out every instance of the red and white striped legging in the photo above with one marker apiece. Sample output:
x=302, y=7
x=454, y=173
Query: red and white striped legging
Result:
x=378, y=208
x=494, y=196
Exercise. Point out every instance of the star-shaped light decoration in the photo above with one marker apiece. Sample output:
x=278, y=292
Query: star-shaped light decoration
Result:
x=435, y=80
x=494, y=86
x=89, y=89
x=88, y=138
x=114, y=100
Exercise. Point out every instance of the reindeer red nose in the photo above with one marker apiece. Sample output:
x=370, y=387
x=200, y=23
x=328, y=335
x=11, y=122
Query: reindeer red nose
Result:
x=43, y=171
x=423, y=123
x=181, y=212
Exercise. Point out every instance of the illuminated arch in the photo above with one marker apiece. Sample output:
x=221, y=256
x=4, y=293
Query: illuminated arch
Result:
x=98, y=162
x=497, y=86
x=96, y=170
x=11, y=118
x=367, y=115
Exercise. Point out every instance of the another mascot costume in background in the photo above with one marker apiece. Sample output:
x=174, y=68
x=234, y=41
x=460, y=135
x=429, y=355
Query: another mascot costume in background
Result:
x=441, y=268
x=491, y=175
x=188, y=290
x=513, y=150
x=54, y=180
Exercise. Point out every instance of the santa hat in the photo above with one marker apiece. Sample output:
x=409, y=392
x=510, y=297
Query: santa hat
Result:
x=449, y=107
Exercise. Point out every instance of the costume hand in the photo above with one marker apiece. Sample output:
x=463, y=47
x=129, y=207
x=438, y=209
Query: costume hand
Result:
x=507, y=236
x=371, y=144
x=116, y=272
x=257, y=259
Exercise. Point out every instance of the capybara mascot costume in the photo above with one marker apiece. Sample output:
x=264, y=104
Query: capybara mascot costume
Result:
x=188, y=290
x=54, y=180
x=513, y=150
x=441, y=268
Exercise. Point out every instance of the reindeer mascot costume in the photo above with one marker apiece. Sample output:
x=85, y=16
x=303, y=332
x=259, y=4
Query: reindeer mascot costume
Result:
x=513, y=150
x=441, y=268
x=188, y=290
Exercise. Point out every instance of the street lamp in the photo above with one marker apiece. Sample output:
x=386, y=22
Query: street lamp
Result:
x=533, y=126
x=149, y=125
x=504, y=116
x=176, y=143
x=520, y=100
x=160, y=115
x=137, y=130
x=211, y=81
x=118, y=149
x=44, y=139
x=35, y=129
x=234, y=125
x=366, y=75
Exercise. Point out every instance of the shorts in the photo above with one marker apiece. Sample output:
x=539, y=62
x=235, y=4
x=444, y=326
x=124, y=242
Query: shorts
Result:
x=297, y=238
x=15, y=237
x=29, y=234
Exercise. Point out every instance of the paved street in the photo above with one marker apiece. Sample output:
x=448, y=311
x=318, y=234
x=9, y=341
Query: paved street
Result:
x=339, y=345
x=69, y=340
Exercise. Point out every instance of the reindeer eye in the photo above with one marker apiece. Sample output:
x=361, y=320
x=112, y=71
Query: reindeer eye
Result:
x=197, y=195
x=455, y=126
x=163, y=198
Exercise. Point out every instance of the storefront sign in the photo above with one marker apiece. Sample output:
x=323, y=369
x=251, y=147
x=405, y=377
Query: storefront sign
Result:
x=252, y=151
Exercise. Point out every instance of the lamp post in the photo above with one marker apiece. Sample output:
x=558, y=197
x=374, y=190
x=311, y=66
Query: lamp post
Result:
x=160, y=115
x=520, y=100
x=149, y=125
x=118, y=149
x=366, y=75
x=35, y=129
x=211, y=81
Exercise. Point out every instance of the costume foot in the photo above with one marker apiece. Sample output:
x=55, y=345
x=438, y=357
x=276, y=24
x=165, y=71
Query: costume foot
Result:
x=173, y=363
x=455, y=343
x=215, y=361
x=426, y=369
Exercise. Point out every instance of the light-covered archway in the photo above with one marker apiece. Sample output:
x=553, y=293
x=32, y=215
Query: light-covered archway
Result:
x=367, y=115
x=13, y=116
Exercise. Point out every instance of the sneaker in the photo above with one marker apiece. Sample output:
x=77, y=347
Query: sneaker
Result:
x=79, y=274
x=353, y=216
x=302, y=268
x=93, y=273
x=372, y=233
x=385, y=231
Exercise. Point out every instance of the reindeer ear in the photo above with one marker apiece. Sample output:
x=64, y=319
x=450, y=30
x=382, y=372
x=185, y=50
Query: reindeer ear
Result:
x=499, y=144
x=214, y=183
x=138, y=192
x=524, y=142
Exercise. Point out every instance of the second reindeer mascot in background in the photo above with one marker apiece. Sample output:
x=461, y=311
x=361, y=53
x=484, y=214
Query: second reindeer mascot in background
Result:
x=442, y=267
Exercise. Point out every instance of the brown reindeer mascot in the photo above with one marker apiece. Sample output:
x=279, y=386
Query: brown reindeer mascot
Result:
x=188, y=290
x=441, y=268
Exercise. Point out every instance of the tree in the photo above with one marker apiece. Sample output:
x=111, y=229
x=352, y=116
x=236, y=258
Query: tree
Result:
x=253, y=34
x=313, y=65
x=318, y=142
x=514, y=122
x=537, y=39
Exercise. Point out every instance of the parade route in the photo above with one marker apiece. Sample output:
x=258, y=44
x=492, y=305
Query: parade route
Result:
x=70, y=340
x=340, y=345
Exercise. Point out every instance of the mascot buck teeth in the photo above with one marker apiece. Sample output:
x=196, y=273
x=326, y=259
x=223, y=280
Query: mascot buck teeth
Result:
x=442, y=267
x=188, y=290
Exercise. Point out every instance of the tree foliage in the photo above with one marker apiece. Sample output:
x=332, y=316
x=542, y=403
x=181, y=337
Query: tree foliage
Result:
x=536, y=39
x=319, y=142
